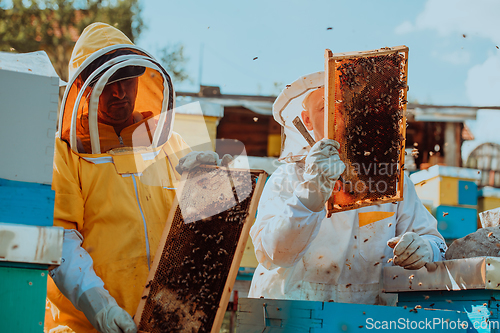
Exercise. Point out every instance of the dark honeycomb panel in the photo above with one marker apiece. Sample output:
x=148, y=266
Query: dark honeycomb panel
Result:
x=185, y=293
x=370, y=125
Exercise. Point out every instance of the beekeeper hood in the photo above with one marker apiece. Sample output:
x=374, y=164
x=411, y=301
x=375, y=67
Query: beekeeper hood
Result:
x=287, y=106
x=117, y=96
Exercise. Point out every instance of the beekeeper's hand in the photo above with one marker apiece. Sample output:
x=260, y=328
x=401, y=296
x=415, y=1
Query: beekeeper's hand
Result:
x=196, y=158
x=410, y=250
x=323, y=168
x=103, y=312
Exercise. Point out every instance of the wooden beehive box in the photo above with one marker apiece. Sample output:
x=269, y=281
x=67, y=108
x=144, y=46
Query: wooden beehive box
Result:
x=198, y=257
x=365, y=104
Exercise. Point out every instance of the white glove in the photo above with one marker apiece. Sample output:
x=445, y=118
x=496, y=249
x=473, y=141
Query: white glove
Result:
x=411, y=251
x=103, y=312
x=196, y=158
x=323, y=168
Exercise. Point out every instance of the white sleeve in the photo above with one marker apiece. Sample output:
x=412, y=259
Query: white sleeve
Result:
x=76, y=274
x=413, y=216
x=284, y=227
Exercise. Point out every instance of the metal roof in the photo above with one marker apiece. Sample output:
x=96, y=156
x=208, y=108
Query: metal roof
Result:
x=264, y=104
x=258, y=104
x=428, y=113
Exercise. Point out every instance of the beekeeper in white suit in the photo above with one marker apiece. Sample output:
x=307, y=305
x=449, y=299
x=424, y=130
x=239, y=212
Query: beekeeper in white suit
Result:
x=303, y=254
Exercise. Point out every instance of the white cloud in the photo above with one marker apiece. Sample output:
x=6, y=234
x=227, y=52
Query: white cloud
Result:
x=455, y=58
x=463, y=17
x=479, y=17
x=404, y=28
x=483, y=82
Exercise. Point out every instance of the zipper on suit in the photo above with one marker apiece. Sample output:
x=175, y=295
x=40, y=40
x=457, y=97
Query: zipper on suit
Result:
x=143, y=220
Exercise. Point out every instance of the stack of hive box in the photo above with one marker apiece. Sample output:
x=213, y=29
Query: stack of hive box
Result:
x=29, y=244
x=488, y=198
x=453, y=196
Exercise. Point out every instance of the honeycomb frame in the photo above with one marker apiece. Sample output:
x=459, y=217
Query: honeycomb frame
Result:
x=365, y=101
x=190, y=293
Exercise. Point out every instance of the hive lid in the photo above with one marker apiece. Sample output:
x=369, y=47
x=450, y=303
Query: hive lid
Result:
x=457, y=274
x=445, y=171
x=30, y=244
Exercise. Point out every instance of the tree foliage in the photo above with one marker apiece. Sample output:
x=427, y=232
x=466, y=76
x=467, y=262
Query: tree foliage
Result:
x=54, y=25
x=173, y=59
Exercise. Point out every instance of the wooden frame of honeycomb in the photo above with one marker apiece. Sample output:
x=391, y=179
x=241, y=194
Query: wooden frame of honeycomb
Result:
x=365, y=106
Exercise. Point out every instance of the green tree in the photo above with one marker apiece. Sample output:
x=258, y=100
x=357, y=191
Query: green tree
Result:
x=54, y=25
x=173, y=59
x=277, y=87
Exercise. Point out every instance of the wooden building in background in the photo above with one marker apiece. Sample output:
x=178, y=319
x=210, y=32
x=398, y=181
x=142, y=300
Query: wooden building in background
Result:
x=438, y=132
x=246, y=123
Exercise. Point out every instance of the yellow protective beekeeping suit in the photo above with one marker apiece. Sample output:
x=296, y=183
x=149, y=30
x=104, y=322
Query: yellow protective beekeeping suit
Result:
x=119, y=197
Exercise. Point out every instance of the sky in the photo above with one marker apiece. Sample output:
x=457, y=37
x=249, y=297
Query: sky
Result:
x=256, y=47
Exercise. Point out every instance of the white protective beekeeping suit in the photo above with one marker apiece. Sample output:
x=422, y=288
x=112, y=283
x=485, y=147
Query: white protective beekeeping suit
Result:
x=304, y=255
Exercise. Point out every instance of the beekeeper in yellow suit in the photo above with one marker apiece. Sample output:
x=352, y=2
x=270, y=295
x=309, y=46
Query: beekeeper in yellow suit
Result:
x=114, y=178
x=303, y=254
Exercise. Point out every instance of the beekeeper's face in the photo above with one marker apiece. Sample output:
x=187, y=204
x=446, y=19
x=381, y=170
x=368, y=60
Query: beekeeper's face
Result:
x=313, y=115
x=117, y=102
